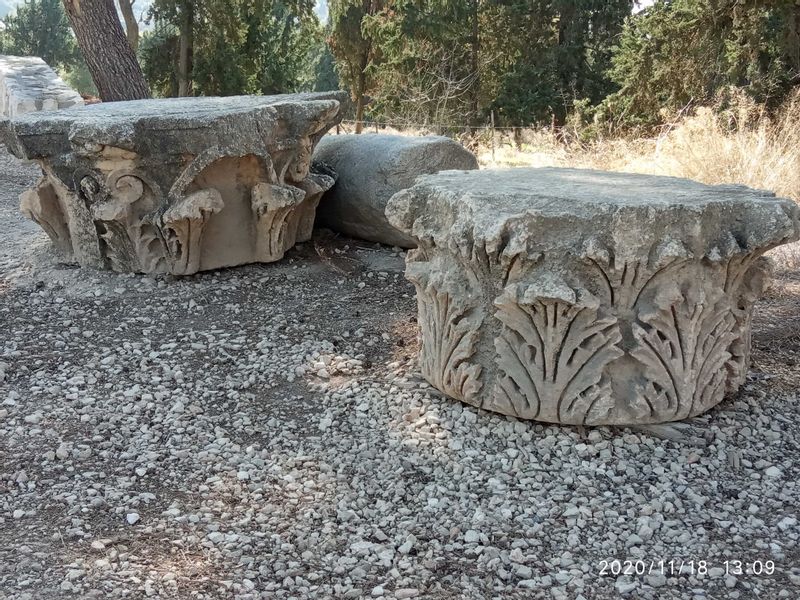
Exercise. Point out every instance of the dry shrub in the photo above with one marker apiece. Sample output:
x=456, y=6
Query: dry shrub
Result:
x=740, y=144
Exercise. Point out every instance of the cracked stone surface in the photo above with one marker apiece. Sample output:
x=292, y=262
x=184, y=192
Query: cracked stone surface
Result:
x=28, y=84
x=177, y=185
x=585, y=297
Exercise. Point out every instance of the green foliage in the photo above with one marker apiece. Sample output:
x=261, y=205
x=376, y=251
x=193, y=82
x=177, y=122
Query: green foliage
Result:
x=553, y=54
x=429, y=67
x=682, y=52
x=325, y=76
x=353, y=46
x=442, y=62
x=238, y=46
x=79, y=79
x=437, y=62
x=40, y=28
x=158, y=54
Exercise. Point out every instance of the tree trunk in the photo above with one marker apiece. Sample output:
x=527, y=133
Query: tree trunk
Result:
x=475, y=50
x=186, y=48
x=131, y=24
x=109, y=56
x=368, y=7
x=360, y=113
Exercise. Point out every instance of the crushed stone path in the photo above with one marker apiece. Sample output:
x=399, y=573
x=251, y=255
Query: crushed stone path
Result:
x=262, y=432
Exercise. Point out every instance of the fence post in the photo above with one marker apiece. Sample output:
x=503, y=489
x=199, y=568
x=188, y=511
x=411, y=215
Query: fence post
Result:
x=492, y=136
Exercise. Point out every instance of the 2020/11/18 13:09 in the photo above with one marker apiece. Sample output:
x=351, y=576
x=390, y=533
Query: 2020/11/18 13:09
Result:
x=675, y=567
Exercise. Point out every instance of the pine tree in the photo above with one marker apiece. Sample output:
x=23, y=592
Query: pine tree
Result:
x=558, y=54
x=40, y=28
x=682, y=52
x=106, y=49
x=354, y=48
x=227, y=47
x=443, y=62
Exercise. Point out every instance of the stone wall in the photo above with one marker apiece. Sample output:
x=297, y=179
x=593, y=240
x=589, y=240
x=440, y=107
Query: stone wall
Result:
x=28, y=84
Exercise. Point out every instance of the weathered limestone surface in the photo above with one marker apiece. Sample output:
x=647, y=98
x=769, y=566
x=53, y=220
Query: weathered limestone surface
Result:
x=370, y=168
x=178, y=185
x=27, y=84
x=586, y=297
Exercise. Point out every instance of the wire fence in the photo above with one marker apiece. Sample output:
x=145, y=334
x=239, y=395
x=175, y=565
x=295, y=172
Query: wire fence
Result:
x=430, y=126
x=474, y=137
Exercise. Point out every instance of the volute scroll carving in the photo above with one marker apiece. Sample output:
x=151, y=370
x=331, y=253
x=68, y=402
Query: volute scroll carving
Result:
x=177, y=185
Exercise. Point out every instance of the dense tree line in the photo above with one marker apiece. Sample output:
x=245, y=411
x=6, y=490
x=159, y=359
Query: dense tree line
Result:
x=446, y=61
x=225, y=47
x=533, y=62
x=453, y=62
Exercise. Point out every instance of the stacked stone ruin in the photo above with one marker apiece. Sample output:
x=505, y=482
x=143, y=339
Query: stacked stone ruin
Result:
x=565, y=296
x=28, y=84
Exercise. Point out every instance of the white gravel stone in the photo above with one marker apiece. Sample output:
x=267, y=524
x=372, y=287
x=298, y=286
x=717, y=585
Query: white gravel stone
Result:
x=341, y=473
x=472, y=537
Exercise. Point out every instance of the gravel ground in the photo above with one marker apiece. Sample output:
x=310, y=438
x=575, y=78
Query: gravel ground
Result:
x=261, y=432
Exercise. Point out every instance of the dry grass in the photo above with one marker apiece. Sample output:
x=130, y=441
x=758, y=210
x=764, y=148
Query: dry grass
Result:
x=739, y=145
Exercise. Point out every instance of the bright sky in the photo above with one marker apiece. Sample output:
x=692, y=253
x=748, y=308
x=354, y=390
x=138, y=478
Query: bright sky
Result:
x=322, y=10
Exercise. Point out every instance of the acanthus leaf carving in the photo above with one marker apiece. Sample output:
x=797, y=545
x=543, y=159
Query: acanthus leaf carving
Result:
x=183, y=224
x=302, y=219
x=624, y=280
x=41, y=205
x=271, y=205
x=552, y=353
x=683, y=343
x=450, y=319
x=746, y=279
x=132, y=204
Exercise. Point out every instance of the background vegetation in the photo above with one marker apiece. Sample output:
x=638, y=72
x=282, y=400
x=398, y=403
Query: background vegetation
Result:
x=700, y=88
x=451, y=64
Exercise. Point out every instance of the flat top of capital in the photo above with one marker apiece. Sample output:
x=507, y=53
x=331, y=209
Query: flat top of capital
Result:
x=558, y=190
x=178, y=110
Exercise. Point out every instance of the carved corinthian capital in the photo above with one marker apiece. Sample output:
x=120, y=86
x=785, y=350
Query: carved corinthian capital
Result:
x=177, y=185
x=604, y=298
